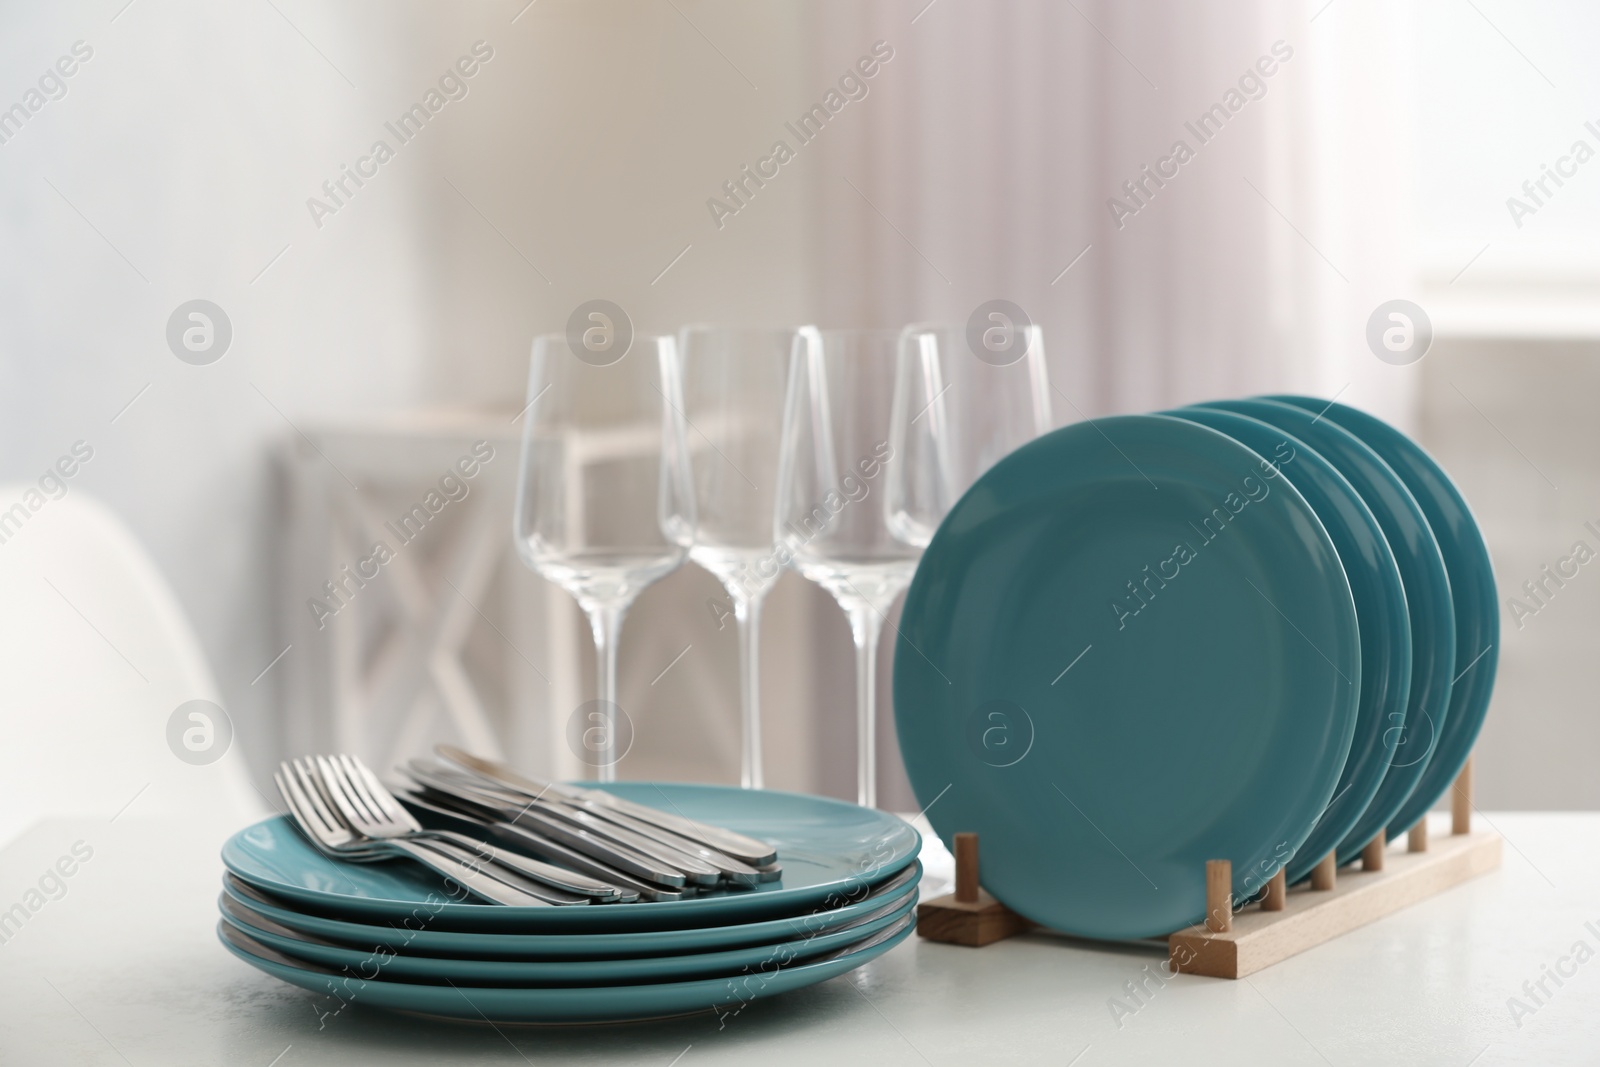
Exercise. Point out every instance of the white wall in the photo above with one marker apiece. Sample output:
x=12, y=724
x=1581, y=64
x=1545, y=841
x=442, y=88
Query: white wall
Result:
x=188, y=143
x=1512, y=421
x=191, y=140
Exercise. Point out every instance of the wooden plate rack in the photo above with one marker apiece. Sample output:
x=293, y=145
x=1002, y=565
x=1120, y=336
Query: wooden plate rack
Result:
x=1232, y=941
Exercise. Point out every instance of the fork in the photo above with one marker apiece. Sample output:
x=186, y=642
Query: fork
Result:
x=375, y=813
x=328, y=805
x=337, y=841
x=374, y=830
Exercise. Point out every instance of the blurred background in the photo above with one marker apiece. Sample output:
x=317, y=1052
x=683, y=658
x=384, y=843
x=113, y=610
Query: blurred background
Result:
x=379, y=325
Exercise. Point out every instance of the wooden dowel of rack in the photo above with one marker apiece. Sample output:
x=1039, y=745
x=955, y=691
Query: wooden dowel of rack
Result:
x=1277, y=892
x=1232, y=947
x=1219, y=896
x=967, y=868
x=1372, y=854
x=969, y=916
x=1259, y=937
x=1325, y=873
x=1461, y=801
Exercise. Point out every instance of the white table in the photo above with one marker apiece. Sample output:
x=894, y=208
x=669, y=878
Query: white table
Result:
x=125, y=968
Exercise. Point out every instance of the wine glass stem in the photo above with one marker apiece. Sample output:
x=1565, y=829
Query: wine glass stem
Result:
x=747, y=611
x=606, y=621
x=865, y=625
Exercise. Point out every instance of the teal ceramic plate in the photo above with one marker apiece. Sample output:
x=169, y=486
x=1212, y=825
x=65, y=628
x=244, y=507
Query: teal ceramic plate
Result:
x=391, y=966
x=1129, y=648
x=1410, y=740
x=828, y=848
x=586, y=1004
x=1380, y=608
x=417, y=935
x=1472, y=590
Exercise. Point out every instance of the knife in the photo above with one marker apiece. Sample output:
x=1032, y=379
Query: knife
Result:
x=739, y=846
x=432, y=808
x=646, y=840
x=580, y=839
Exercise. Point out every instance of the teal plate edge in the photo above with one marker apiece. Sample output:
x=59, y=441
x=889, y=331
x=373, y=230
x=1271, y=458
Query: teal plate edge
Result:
x=419, y=940
x=1473, y=589
x=727, y=997
x=631, y=970
x=1381, y=611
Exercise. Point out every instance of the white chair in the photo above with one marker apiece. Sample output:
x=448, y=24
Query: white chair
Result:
x=95, y=657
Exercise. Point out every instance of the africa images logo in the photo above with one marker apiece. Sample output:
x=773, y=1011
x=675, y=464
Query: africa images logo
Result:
x=852, y=86
x=1252, y=85
x=1252, y=490
x=454, y=84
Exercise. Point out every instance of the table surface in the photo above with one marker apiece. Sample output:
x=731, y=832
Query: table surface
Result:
x=119, y=965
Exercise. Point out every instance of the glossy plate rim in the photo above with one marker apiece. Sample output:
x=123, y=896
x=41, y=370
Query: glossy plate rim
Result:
x=1402, y=778
x=1377, y=588
x=574, y=1005
x=555, y=947
x=895, y=846
x=1474, y=596
x=633, y=970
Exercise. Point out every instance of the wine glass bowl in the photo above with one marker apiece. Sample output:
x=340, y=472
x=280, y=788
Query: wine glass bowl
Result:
x=955, y=416
x=604, y=504
x=733, y=391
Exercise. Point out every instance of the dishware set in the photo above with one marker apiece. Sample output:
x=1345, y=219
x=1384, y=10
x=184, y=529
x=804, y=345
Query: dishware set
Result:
x=1146, y=659
x=1261, y=631
x=468, y=891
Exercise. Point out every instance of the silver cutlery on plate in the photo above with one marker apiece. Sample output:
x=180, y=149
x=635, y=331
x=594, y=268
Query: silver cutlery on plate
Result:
x=435, y=809
x=736, y=845
x=336, y=808
x=514, y=840
x=700, y=864
x=529, y=815
x=375, y=813
x=337, y=841
x=707, y=864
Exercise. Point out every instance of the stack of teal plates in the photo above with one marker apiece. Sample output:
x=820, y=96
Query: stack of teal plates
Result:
x=1260, y=630
x=390, y=935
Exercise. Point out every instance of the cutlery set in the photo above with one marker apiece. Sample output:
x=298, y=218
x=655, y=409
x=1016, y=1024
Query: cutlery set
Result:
x=609, y=853
x=371, y=826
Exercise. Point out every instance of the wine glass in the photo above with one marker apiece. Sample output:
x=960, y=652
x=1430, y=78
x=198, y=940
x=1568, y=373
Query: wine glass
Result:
x=830, y=513
x=955, y=415
x=604, y=505
x=733, y=394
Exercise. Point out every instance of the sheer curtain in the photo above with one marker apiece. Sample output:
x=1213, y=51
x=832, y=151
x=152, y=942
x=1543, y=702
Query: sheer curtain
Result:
x=990, y=160
x=983, y=161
